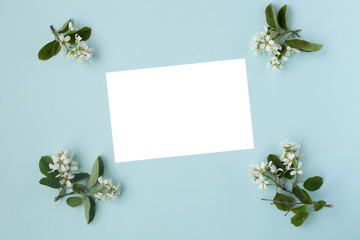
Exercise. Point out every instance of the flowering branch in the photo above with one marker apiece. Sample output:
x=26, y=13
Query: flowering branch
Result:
x=279, y=40
x=60, y=174
x=72, y=40
x=287, y=169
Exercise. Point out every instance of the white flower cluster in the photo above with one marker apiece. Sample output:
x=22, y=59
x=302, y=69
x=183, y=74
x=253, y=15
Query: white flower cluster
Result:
x=258, y=172
x=288, y=52
x=291, y=161
x=264, y=44
x=107, y=190
x=277, y=62
x=63, y=163
x=291, y=157
x=79, y=51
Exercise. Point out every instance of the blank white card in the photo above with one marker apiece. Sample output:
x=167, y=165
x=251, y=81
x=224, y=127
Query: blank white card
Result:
x=179, y=110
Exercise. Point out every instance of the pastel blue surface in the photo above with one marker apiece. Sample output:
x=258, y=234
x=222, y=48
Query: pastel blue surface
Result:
x=51, y=105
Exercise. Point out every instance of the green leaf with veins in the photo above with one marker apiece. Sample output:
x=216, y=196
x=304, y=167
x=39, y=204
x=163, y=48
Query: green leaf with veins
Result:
x=78, y=177
x=308, y=199
x=283, y=202
x=313, y=183
x=74, y=201
x=296, y=190
x=283, y=18
x=299, y=209
x=49, y=50
x=50, y=182
x=44, y=167
x=89, y=203
x=299, y=218
x=319, y=205
x=78, y=188
x=97, y=171
x=303, y=45
x=271, y=16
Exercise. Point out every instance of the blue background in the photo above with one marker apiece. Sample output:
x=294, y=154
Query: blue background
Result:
x=51, y=105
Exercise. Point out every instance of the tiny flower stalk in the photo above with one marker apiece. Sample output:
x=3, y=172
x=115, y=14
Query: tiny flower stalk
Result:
x=284, y=172
x=278, y=40
x=61, y=173
x=71, y=40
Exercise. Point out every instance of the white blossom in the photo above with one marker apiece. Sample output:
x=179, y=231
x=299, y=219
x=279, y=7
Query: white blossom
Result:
x=72, y=54
x=287, y=162
x=71, y=27
x=275, y=64
x=60, y=161
x=65, y=178
x=290, y=50
x=83, y=52
x=252, y=170
x=290, y=155
x=293, y=146
x=107, y=190
x=73, y=166
x=264, y=44
x=64, y=41
x=78, y=38
x=262, y=183
x=260, y=169
x=297, y=170
x=63, y=163
x=255, y=45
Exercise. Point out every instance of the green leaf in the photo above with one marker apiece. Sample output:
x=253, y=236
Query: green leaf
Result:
x=78, y=188
x=283, y=18
x=49, y=50
x=303, y=45
x=319, y=205
x=308, y=199
x=50, y=182
x=84, y=33
x=298, y=193
x=97, y=171
x=271, y=17
x=64, y=28
x=313, y=183
x=299, y=209
x=78, y=177
x=285, y=200
x=89, y=203
x=299, y=218
x=44, y=167
x=74, y=201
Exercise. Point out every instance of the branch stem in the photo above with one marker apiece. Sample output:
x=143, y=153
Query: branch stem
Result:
x=274, y=201
x=62, y=195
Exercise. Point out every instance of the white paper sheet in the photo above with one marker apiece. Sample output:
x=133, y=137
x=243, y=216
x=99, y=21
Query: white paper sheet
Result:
x=179, y=110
